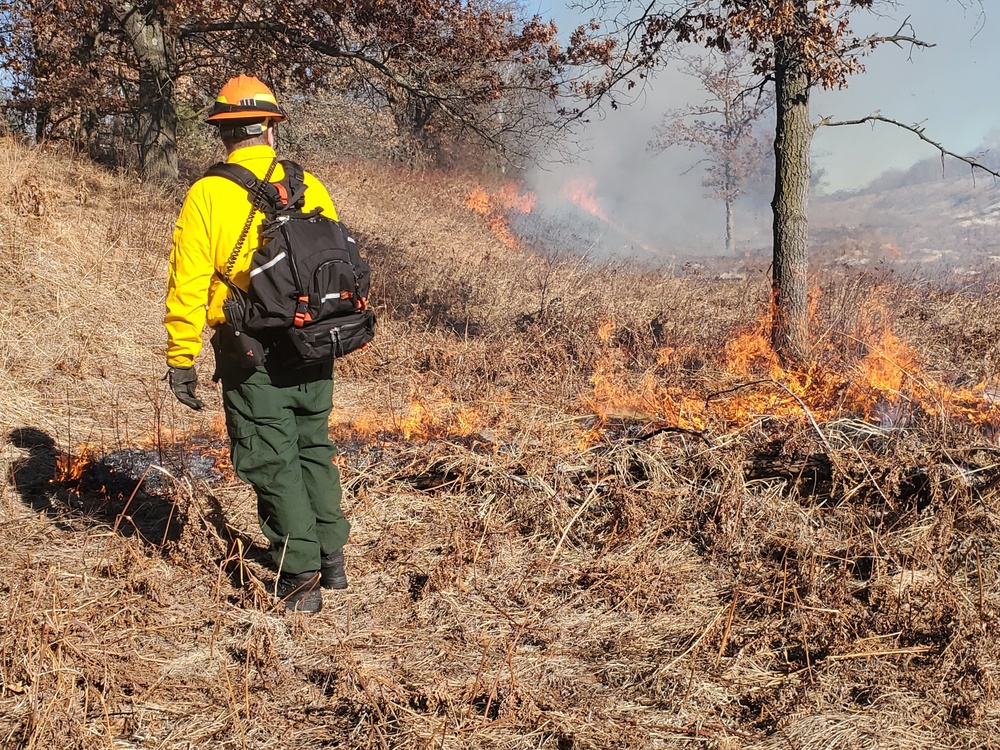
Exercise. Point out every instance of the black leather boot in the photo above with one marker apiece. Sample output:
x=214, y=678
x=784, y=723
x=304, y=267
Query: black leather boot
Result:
x=301, y=592
x=332, y=575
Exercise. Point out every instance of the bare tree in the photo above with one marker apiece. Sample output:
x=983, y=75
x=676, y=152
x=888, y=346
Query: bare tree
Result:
x=725, y=127
x=797, y=45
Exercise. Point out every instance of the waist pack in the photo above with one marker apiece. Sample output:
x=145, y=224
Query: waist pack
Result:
x=309, y=284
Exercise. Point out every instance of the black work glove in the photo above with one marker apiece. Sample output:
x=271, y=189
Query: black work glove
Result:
x=182, y=382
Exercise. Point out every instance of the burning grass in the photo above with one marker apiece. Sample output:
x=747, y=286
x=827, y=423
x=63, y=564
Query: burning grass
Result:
x=590, y=510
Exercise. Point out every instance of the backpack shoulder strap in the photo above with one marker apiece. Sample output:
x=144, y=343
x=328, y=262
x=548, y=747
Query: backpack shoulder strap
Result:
x=257, y=190
x=240, y=175
x=292, y=169
x=249, y=182
x=295, y=180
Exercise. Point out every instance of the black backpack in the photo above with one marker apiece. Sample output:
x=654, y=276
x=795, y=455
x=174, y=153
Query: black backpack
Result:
x=308, y=283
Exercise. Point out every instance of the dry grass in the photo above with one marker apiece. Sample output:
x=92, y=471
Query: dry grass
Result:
x=524, y=574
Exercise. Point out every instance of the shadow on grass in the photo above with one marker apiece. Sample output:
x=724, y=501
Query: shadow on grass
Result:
x=118, y=490
x=132, y=491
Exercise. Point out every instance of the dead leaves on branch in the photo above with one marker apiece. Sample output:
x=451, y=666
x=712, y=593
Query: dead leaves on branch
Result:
x=815, y=37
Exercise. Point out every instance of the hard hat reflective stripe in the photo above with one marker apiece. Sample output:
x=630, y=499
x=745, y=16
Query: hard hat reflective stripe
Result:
x=245, y=97
x=270, y=264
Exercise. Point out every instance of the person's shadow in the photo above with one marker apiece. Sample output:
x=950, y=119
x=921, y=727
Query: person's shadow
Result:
x=32, y=476
x=126, y=490
x=77, y=492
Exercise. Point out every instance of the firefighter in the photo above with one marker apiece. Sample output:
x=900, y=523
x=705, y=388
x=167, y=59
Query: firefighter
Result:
x=277, y=418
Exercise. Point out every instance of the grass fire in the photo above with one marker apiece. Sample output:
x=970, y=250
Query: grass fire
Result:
x=590, y=506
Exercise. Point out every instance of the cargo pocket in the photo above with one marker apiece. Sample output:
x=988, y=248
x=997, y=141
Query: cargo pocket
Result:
x=242, y=438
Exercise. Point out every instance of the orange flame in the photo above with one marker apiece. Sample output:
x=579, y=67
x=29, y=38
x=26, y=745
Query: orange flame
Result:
x=894, y=251
x=580, y=190
x=612, y=397
x=479, y=201
x=512, y=199
x=497, y=206
x=70, y=467
x=886, y=383
x=437, y=416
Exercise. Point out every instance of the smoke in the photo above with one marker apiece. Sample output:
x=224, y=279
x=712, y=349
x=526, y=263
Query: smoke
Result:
x=654, y=202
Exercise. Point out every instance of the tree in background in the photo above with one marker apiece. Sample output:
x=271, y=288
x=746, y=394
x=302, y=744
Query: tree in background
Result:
x=724, y=127
x=797, y=45
x=449, y=70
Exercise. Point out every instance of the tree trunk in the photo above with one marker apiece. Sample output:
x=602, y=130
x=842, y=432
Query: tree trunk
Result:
x=157, y=114
x=41, y=123
x=729, y=190
x=729, y=227
x=792, y=139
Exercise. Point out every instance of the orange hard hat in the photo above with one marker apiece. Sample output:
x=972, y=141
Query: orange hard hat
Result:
x=245, y=98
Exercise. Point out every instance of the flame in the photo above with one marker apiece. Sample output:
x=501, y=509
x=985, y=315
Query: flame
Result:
x=512, y=199
x=605, y=330
x=978, y=406
x=580, y=191
x=70, y=467
x=612, y=396
x=495, y=208
x=893, y=250
x=750, y=354
x=665, y=355
x=479, y=201
x=436, y=416
x=884, y=375
x=885, y=383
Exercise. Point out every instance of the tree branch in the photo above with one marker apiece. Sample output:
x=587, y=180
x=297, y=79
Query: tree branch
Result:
x=918, y=131
x=299, y=38
x=899, y=38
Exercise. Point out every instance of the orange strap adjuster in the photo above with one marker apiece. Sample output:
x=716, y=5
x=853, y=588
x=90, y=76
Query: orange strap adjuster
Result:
x=302, y=314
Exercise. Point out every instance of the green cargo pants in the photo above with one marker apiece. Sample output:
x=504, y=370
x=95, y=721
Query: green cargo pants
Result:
x=278, y=424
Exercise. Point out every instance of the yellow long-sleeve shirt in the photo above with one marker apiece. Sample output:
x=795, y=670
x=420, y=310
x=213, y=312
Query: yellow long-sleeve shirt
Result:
x=211, y=219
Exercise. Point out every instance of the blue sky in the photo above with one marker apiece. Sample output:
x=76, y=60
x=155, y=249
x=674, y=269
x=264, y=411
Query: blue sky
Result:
x=951, y=88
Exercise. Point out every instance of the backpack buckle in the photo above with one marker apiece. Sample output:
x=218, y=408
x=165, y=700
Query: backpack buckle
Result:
x=302, y=314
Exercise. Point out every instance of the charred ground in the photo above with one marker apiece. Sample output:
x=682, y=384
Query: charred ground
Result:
x=589, y=508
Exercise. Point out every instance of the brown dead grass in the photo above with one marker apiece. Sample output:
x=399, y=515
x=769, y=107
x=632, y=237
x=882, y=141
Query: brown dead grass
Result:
x=521, y=574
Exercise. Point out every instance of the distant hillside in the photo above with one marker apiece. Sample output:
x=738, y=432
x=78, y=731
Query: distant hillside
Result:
x=922, y=221
x=925, y=218
x=932, y=170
